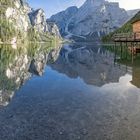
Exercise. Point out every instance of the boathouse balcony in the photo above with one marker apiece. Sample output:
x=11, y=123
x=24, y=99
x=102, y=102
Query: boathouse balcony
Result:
x=129, y=37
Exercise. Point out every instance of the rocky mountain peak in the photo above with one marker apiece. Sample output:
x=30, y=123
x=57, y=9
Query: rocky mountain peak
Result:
x=63, y=17
x=93, y=19
x=95, y=2
x=38, y=20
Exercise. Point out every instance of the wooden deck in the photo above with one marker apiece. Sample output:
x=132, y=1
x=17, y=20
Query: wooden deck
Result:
x=127, y=37
x=127, y=43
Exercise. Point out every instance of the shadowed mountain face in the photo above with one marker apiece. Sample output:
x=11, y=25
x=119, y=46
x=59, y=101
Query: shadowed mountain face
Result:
x=92, y=20
x=63, y=17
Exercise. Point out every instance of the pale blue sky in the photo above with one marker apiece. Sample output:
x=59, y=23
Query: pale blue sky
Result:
x=53, y=6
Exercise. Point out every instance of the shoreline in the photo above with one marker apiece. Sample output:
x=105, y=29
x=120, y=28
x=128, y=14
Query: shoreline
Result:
x=4, y=43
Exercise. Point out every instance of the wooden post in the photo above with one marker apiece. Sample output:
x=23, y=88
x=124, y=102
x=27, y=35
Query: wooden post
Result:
x=121, y=49
x=126, y=50
x=115, y=54
x=132, y=50
x=136, y=47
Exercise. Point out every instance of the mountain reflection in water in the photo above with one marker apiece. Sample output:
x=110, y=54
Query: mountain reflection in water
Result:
x=17, y=64
x=94, y=65
x=80, y=94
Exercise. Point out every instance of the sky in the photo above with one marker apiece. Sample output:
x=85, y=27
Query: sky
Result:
x=54, y=6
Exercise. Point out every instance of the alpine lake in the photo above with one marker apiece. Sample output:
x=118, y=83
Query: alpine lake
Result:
x=69, y=92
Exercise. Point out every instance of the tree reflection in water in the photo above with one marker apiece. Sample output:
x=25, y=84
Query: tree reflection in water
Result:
x=18, y=63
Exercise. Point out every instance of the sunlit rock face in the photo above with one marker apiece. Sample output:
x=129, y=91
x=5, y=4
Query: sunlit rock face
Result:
x=92, y=20
x=38, y=20
x=18, y=15
x=26, y=22
x=94, y=65
x=99, y=17
x=53, y=28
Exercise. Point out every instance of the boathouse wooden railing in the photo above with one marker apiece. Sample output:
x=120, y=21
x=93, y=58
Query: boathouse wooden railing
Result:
x=131, y=41
x=126, y=37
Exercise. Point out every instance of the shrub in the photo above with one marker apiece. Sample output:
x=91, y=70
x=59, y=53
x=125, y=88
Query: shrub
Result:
x=7, y=30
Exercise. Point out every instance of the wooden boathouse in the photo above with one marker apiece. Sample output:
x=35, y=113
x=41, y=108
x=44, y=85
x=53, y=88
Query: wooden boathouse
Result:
x=131, y=40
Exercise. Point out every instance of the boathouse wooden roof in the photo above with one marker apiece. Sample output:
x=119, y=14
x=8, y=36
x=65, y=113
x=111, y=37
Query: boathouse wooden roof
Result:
x=137, y=20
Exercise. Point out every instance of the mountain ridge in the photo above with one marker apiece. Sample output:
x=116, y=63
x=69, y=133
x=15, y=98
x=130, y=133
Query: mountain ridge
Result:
x=126, y=28
x=92, y=20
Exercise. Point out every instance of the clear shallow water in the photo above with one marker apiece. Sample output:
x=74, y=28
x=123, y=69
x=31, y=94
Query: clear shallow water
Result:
x=81, y=94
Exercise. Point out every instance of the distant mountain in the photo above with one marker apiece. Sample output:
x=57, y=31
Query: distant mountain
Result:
x=127, y=27
x=61, y=19
x=92, y=20
x=132, y=13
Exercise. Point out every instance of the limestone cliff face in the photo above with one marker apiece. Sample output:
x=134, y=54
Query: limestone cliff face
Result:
x=38, y=20
x=19, y=20
x=53, y=28
x=18, y=15
x=97, y=18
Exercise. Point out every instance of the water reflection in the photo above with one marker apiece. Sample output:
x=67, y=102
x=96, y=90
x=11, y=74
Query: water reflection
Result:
x=18, y=63
x=91, y=63
x=80, y=94
x=136, y=77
